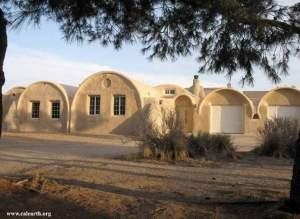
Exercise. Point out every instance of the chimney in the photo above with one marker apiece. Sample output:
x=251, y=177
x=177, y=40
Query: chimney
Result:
x=197, y=88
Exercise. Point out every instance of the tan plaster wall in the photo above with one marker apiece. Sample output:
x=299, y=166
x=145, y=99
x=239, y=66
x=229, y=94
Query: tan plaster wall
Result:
x=106, y=122
x=185, y=112
x=45, y=93
x=10, y=116
x=279, y=97
x=222, y=97
x=138, y=99
x=161, y=90
x=283, y=97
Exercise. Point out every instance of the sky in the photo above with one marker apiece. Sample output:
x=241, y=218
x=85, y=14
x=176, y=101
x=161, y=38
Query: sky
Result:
x=41, y=53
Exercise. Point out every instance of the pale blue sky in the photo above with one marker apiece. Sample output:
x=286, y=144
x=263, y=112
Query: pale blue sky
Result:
x=41, y=54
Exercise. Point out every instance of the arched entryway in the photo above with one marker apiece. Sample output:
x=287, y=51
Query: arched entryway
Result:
x=227, y=111
x=185, y=111
x=283, y=102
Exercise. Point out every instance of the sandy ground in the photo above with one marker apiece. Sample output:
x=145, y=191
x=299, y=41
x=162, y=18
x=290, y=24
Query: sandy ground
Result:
x=84, y=176
x=244, y=143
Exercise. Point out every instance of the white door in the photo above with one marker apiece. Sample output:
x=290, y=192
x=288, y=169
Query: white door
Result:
x=227, y=119
x=291, y=112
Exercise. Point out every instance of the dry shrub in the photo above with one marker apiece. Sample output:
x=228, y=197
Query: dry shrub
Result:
x=211, y=146
x=164, y=139
x=278, y=138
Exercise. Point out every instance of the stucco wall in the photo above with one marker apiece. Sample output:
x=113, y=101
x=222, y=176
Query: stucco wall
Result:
x=185, y=112
x=106, y=122
x=161, y=90
x=280, y=97
x=10, y=116
x=222, y=97
x=139, y=98
x=45, y=93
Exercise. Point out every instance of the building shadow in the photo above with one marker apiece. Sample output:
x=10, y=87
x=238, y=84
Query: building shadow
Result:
x=23, y=200
x=136, y=124
x=209, y=180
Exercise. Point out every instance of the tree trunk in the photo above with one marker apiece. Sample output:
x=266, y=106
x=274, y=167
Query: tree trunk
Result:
x=3, y=47
x=294, y=202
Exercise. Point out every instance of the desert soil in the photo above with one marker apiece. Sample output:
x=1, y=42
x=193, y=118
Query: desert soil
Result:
x=80, y=177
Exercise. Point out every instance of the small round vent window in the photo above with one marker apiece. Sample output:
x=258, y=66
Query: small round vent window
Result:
x=106, y=83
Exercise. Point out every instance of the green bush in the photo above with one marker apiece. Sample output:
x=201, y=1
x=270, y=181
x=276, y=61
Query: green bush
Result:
x=278, y=138
x=211, y=146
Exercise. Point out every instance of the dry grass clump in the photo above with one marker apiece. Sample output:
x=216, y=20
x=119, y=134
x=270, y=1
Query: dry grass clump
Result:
x=278, y=138
x=37, y=183
x=164, y=140
x=211, y=146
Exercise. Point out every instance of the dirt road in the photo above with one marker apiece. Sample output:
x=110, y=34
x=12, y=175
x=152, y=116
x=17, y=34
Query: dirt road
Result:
x=91, y=179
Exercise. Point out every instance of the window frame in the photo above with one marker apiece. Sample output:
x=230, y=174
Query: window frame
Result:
x=93, y=111
x=118, y=109
x=33, y=112
x=170, y=91
x=59, y=109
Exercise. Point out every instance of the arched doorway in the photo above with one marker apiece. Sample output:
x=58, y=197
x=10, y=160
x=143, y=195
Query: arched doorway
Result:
x=227, y=111
x=184, y=112
x=283, y=102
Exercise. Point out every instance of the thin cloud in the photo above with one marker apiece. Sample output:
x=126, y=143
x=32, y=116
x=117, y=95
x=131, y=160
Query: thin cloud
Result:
x=24, y=66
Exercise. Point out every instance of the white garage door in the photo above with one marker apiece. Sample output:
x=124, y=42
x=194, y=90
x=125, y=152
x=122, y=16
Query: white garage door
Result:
x=292, y=112
x=227, y=119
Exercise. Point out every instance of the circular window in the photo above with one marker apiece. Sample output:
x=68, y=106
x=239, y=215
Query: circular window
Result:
x=106, y=83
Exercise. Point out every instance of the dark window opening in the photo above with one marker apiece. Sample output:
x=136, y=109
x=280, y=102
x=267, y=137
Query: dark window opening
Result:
x=94, y=105
x=55, y=112
x=119, y=105
x=35, y=109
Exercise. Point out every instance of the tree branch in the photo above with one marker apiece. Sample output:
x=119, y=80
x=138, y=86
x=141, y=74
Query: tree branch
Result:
x=3, y=47
x=274, y=23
